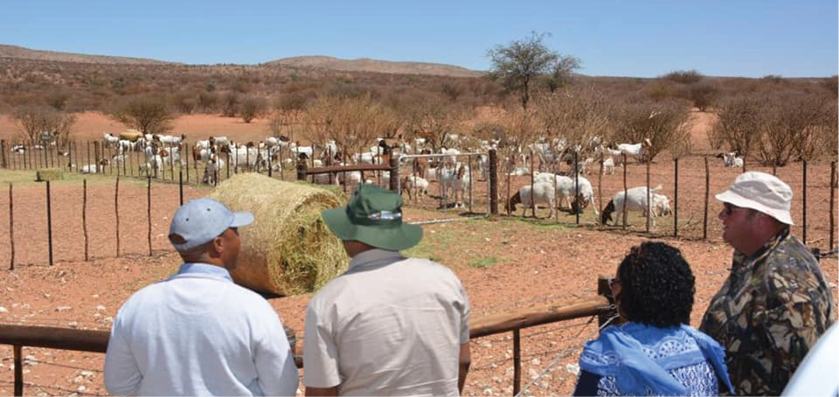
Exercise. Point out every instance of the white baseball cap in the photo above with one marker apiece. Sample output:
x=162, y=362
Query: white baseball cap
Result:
x=761, y=192
x=201, y=220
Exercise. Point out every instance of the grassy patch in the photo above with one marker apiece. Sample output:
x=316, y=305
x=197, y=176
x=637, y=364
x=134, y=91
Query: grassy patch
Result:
x=483, y=263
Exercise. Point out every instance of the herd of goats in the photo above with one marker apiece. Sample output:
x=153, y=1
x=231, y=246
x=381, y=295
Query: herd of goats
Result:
x=455, y=177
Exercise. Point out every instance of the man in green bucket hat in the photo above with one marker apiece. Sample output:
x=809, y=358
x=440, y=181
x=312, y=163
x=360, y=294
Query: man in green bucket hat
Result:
x=389, y=325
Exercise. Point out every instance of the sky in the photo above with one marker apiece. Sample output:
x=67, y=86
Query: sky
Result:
x=611, y=38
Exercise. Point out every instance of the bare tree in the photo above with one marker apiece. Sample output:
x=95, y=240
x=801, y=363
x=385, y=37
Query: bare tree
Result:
x=43, y=125
x=740, y=123
x=251, y=108
x=434, y=118
x=148, y=114
x=575, y=115
x=792, y=127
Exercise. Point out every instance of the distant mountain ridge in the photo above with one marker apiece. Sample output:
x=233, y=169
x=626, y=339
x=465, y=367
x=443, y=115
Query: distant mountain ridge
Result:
x=11, y=51
x=303, y=62
x=374, y=65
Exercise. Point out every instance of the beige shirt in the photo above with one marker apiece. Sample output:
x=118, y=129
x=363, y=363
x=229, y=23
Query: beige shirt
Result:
x=388, y=326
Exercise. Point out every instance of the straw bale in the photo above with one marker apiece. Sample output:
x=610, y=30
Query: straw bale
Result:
x=130, y=135
x=49, y=174
x=288, y=250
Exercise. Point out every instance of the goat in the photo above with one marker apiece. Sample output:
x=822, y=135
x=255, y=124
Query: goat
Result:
x=212, y=169
x=108, y=139
x=637, y=202
x=409, y=183
x=731, y=160
x=565, y=190
x=544, y=194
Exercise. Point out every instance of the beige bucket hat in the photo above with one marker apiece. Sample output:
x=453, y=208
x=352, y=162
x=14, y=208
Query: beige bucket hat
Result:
x=761, y=192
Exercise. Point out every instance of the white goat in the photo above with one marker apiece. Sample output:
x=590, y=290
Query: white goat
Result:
x=544, y=194
x=637, y=201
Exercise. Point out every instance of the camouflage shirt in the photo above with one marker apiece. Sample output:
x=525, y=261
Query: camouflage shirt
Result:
x=770, y=311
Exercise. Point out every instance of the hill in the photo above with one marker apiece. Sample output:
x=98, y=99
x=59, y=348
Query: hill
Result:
x=11, y=51
x=376, y=66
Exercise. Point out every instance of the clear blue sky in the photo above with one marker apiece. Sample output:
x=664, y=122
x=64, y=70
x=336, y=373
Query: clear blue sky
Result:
x=615, y=38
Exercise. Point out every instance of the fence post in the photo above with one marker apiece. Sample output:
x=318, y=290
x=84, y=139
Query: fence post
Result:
x=11, y=228
x=676, y=199
x=832, y=198
x=302, y=167
x=625, y=194
x=186, y=163
x=517, y=360
x=493, y=182
x=181, y=185
x=49, y=222
x=3, y=153
x=470, y=183
x=88, y=157
x=532, y=177
x=707, y=192
x=649, y=199
x=603, y=289
x=556, y=188
x=69, y=156
x=116, y=211
x=271, y=172
x=84, y=216
x=576, y=187
x=18, y=354
x=148, y=209
x=804, y=199
x=599, y=189
x=97, y=156
x=394, y=175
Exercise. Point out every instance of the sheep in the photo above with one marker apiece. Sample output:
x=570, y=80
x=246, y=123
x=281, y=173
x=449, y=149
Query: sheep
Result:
x=637, y=202
x=409, y=183
x=544, y=195
x=212, y=169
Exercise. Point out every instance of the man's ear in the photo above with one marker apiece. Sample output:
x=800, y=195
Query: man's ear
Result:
x=218, y=246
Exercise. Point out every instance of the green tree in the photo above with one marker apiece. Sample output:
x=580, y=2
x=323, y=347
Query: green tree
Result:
x=518, y=64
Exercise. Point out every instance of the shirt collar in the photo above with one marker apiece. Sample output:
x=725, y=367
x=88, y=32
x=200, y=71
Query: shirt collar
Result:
x=375, y=256
x=743, y=262
x=205, y=269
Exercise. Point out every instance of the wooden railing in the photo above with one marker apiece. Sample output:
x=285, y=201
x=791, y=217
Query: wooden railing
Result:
x=97, y=341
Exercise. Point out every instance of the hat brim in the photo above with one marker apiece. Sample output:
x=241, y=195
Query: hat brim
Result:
x=241, y=218
x=733, y=198
x=392, y=239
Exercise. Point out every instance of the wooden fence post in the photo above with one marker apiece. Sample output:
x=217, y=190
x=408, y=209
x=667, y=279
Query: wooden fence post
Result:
x=148, y=209
x=493, y=182
x=116, y=211
x=576, y=187
x=832, y=199
x=84, y=216
x=650, y=208
x=804, y=200
x=181, y=185
x=625, y=194
x=70, y=156
x=49, y=222
x=18, y=355
x=302, y=167
x=97, y=156
x=186, y=163
x=532, y=177
x=707, y=193
x=517, y=358
x=599, y=189
x=676, y=199
x=88, y=156
x=3, y=153
x=394, y=175
x=11, y=228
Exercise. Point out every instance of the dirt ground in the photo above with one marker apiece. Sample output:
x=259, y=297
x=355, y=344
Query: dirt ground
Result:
x=505, y=263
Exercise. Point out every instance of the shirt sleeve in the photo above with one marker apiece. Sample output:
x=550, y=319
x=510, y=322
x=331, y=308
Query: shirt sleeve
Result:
x=122, y=375
x=465, y=313
x=276, y=372
x=320, y=353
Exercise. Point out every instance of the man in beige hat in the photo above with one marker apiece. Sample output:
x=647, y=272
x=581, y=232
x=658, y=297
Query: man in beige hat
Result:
x=775, y=303
x=390, y=325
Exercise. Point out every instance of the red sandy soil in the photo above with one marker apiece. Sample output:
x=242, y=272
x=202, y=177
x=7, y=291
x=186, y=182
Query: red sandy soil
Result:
x=504, y=264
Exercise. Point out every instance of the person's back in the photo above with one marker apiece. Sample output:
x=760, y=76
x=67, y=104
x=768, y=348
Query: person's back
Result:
x=399, y=322
x=193, y=325
x=198, y=333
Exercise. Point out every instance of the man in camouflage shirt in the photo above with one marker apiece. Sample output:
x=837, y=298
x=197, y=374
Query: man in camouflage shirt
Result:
x=775, y=303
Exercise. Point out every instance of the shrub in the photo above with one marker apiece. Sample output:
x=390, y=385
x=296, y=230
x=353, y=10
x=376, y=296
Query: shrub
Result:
x=40, y=124
x=252, y=107
x=793, y=127
x=149, y=114
x=230, y=104
x=740, y=123
x=702, y=95
x=663, y=123
x=684, y=76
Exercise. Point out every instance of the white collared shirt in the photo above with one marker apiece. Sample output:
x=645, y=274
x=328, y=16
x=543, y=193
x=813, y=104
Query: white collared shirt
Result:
x=198, y=333
x=388, y=326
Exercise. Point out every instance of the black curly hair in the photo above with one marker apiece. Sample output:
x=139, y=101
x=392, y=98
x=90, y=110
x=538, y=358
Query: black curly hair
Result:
x=657, y=285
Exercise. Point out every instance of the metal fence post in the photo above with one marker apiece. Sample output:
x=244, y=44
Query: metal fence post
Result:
x=493, y=182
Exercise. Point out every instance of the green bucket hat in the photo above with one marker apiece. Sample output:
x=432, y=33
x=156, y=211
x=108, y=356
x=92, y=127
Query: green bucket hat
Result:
x=374, y=217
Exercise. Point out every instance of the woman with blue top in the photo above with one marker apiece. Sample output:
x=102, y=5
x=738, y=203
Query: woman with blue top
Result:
x=655, y=351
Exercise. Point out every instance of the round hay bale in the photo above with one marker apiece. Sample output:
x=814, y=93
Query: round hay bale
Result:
x=288, y=250
x=130, y=135
x=49, y=174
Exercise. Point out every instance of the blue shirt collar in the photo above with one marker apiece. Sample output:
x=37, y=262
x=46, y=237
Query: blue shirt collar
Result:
x=205, y=269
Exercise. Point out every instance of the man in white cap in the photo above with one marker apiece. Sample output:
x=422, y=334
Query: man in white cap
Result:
x=775, y=303
x=390, y=325
x=197, y=333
